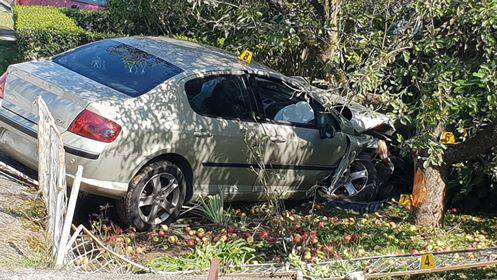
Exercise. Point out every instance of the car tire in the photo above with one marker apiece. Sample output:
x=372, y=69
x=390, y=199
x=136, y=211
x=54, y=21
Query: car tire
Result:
x=369, y=188
x=155, y=196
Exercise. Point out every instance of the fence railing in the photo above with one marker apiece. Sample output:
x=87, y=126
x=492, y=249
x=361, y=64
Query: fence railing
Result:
x=53, y=185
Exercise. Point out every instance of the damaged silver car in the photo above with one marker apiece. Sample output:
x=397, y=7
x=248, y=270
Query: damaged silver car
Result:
x=157, y=122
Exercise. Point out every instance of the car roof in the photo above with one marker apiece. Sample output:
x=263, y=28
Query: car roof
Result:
x=191, y=56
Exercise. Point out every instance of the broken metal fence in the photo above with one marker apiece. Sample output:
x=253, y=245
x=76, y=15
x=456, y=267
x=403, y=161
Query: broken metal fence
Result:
x=81, y=251
x=52, y=182
x=378, y=266
x=87, y=253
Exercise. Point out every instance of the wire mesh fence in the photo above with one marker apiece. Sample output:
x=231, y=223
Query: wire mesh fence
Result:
x=52, y=174
x=87, y=253
x=382, y=266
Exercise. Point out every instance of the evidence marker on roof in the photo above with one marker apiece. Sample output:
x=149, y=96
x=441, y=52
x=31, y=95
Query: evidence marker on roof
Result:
x=246, y=56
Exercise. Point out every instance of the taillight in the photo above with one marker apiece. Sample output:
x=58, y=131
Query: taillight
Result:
x=93, y=126
x=3, y=81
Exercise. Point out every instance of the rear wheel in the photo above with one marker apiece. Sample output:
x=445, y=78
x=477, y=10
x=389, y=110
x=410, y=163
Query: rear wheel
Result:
x=155, y=196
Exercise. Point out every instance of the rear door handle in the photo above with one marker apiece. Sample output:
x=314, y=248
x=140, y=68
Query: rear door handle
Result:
x=277, y=139
x=202, y=134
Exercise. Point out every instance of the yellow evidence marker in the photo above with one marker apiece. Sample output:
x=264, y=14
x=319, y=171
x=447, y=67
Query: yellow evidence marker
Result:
x=448, y=138
x=427, y=262
x=405, y=200
x=246, y=56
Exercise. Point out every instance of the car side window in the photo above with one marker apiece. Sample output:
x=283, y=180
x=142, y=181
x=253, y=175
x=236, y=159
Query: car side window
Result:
x=280, y=103
x=219, y=97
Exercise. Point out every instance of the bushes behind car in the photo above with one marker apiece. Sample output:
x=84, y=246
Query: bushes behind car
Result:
x=46, y=31
x=95, y=21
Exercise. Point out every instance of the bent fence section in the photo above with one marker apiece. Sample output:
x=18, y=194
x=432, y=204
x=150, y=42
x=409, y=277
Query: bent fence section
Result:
x=53, y=185
x=51, y=173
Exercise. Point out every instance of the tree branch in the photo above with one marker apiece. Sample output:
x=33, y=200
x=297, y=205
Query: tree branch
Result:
x=279, y=5
x=478, y=144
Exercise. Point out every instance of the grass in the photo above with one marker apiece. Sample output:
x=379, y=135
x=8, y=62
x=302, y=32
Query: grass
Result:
x=32, y=214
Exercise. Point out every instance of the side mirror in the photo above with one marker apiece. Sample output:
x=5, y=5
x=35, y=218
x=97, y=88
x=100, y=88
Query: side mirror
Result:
x=325, y=125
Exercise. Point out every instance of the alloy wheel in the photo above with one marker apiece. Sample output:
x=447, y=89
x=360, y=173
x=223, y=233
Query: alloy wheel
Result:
x=159, y=198
x=353, y=181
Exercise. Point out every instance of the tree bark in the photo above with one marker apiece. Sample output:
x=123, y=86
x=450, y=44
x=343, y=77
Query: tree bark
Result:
x=429, y=196
x=332, y=20
x=430, y=184
x=480, y=143
x=429, y=188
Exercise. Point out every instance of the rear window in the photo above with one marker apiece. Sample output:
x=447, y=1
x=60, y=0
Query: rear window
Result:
x=119, y=66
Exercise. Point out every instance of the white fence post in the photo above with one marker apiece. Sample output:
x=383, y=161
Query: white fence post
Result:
x=52, y=182
x=66, y=230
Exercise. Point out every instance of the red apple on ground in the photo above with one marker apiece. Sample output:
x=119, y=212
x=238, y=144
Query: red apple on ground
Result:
x=190, y=242
x=347, y=238
x=264, y=235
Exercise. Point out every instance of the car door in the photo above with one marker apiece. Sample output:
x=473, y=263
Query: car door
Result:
x=294, y=151
x=220, y=114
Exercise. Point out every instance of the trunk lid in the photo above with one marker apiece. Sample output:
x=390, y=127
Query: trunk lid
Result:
x=65, y=92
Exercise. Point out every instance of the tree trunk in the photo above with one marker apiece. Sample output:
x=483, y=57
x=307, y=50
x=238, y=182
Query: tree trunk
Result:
x=332, y=20
x=429, y=196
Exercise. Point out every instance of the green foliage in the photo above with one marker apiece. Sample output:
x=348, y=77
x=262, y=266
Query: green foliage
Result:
x=8, y=55
x=94, y=21
x=46, y=31
x=228, y=253
x=289, y=43
x=212, y=208
x=31, y=17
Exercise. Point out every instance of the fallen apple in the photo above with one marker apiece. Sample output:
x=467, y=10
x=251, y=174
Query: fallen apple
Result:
x=173, y=239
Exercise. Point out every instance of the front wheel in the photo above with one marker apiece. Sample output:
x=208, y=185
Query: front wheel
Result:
x=155, y=196
x=359, y=183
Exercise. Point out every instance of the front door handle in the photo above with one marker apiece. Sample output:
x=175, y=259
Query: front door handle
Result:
x=277, y=139
x=202, y=134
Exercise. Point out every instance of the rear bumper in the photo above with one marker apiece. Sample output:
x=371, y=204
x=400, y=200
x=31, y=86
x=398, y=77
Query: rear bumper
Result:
x=7, y=118
x=18, y=140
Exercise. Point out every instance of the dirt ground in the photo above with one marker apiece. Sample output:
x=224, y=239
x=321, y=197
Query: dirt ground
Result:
x=14, y=233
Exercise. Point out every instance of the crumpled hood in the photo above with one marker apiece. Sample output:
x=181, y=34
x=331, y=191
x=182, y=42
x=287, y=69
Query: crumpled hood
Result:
x=362, y=119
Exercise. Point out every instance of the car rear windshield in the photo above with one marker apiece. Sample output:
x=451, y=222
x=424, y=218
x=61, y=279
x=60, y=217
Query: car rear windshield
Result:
x=119, y=66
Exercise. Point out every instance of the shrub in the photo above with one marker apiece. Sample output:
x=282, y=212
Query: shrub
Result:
x=236, y=253
x=46, y=31
x=94, y=21
x=212, y=208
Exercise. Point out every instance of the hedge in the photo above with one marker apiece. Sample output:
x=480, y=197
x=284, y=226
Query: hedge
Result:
x=47, y=31
x=95, y=21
